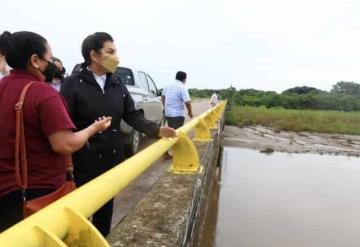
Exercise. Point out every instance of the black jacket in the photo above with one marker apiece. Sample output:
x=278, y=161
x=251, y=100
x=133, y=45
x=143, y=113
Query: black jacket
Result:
x=87, y=102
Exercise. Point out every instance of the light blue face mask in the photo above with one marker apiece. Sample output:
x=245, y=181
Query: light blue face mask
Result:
x=6, y=69
x=56, y=86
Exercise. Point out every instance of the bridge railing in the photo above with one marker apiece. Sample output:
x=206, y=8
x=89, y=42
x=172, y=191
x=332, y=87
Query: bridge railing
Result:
x=65, y=223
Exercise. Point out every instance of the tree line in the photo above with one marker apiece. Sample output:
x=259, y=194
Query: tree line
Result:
x=344, y=96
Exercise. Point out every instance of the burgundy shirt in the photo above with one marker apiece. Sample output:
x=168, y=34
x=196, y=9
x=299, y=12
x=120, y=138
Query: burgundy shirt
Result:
x=45, y=113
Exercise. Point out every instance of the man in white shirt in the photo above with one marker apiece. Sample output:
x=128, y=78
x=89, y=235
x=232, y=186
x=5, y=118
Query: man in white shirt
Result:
x=175, y=96
x=214, y=99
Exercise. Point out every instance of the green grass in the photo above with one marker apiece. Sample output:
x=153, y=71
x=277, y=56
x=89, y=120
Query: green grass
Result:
x=296, y=120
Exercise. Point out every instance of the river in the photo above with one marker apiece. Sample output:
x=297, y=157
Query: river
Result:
x=283, y=200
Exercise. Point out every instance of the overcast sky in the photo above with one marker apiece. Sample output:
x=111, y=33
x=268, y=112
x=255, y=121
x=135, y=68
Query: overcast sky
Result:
x=261, y=44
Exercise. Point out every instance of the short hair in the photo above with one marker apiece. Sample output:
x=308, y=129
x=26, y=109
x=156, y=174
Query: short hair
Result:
x=180, y=75
x=94, y=42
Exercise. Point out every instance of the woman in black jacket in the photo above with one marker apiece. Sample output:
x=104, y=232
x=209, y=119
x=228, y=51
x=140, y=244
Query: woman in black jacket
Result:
x=94, y=92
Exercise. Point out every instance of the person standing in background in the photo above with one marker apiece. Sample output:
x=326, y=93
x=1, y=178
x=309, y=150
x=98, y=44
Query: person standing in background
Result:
x=59, y=74
x=175, y=97
x=214, y=99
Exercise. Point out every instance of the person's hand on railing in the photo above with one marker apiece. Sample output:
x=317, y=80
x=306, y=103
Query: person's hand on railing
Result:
x=102, y=123
x=167, y=132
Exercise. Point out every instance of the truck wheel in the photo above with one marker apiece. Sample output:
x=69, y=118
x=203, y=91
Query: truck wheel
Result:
x=134, y=143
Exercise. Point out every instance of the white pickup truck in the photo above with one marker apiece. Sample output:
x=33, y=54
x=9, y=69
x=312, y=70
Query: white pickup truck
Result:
x=147, y=99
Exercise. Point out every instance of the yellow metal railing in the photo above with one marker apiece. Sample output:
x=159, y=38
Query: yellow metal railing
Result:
x=65, y=223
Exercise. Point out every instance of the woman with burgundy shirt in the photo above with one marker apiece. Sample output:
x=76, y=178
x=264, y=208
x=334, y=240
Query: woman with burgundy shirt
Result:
x=48, y=128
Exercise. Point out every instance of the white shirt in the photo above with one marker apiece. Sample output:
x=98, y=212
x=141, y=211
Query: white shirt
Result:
x=100, y=80
x=176, y=94
x=56, y=86
x=214, y=99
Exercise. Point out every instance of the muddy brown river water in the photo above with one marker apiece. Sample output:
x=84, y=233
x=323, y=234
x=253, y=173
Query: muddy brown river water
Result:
x=285, y=200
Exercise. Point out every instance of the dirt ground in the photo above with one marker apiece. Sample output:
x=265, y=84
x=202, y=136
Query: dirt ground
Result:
x=268, y=140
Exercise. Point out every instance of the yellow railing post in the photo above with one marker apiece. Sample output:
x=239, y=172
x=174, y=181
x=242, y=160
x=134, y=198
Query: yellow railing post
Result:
x=49, y=239
x=185, y=155
x=202, y=132
x=82, y=232
x=212, y=120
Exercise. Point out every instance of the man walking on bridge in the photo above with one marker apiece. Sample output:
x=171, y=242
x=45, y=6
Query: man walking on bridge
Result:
x=214, y=99
x=174, y=97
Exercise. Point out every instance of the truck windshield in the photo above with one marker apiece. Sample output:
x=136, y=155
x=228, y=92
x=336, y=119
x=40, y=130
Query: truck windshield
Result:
x=124, y=75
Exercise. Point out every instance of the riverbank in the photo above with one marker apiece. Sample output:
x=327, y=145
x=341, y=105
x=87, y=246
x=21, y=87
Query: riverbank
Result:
x=332, y=122
x=268, y=140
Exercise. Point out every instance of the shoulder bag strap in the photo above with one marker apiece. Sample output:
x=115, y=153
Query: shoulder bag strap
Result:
x=20, y=148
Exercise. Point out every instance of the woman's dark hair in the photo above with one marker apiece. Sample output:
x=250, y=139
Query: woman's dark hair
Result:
x=60, y=73
x=94, y=42
x=20, y=46
x=180, y=75
x=55, y=59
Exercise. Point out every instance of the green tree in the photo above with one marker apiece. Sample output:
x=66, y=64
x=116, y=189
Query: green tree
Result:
x=303, y=90
x=346, y=88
